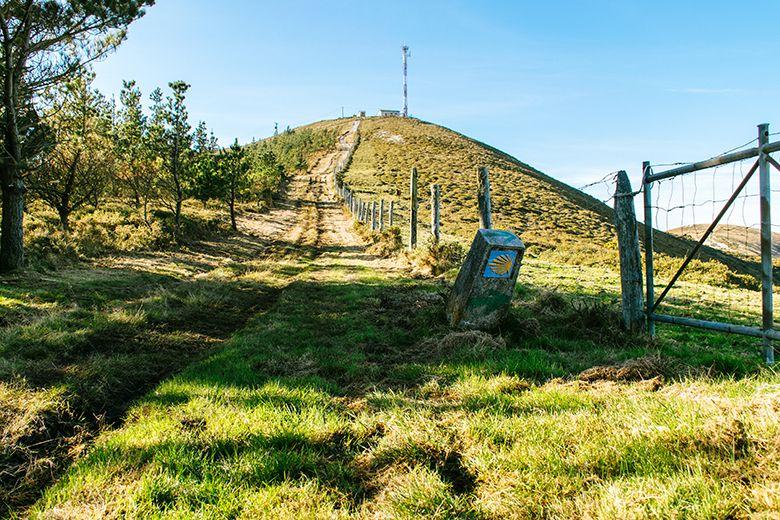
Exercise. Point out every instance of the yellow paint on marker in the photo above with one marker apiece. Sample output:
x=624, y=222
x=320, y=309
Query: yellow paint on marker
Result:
x=501, y=264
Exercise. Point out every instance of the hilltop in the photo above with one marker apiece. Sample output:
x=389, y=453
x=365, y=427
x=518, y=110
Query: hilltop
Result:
x=556, y=221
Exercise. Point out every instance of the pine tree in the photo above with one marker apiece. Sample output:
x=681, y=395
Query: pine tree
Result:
x=76, y=170
x=44, y=43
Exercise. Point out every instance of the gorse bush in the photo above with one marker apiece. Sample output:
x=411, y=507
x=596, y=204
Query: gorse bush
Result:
x=434, y=258
x=387, y=243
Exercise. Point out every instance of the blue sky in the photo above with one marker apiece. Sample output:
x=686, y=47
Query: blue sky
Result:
x=574, y=88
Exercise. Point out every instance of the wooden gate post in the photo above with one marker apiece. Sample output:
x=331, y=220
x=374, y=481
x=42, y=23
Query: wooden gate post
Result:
x=382, y=215
x=435, y=201
x=413, y=210
x=483, y=199
x=630, y=255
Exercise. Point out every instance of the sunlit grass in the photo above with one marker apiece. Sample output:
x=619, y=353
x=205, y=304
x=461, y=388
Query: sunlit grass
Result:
x=335, y=404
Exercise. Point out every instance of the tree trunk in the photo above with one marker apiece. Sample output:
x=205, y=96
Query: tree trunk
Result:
x=11, y=234
x=12, y=227
x=64, y=214
x=177, y=219
x=233, y=209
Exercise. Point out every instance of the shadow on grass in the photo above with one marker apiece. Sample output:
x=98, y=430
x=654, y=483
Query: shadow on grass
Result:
x=101, y=339
x=290, y=384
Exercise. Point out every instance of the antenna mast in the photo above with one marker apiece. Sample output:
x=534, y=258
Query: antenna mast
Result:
x=406, y=55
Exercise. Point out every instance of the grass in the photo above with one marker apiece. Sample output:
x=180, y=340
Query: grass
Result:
x=116, y=227
x=78, y=345
x=557, y=222
x=233, y=379
x=349, y=397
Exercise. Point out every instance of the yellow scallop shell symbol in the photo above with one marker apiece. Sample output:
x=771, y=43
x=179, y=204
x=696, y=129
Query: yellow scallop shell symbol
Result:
x=501, y=264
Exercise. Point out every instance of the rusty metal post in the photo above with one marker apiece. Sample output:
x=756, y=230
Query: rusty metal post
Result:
x=649, y=274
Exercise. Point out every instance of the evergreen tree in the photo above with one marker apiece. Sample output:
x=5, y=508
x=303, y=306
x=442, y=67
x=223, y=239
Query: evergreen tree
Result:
x=170, y=132
x=234, y=171
x=137, y=167
x=43, y=43
x=76, y=170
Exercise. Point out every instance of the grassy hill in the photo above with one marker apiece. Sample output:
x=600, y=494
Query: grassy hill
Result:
x=309, y=380
x=739, y=240
x=556, y=221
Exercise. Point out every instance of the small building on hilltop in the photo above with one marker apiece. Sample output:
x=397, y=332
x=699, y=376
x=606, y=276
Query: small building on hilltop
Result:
x=385, y=113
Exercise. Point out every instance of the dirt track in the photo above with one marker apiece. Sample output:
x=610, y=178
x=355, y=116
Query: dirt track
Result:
x=308, y=213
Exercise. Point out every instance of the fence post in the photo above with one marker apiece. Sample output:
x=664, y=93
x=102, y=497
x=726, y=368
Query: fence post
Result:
x=382, y=215
x=765, y=191
x=649, y=274
x=483, y=199
x=373, y=216
x=413, y=210
x=435, y=201
x=392, y=211
x=630, y=255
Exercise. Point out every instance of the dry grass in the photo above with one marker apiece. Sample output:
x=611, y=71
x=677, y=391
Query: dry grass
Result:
x=557, y=222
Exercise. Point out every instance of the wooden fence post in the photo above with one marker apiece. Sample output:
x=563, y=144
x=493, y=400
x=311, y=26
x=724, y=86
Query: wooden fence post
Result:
x=630, y=255
x=392, y=211
x=382, y=215
x=435, y=213
x=373, y=216
x=413, y=210
x=483, y=199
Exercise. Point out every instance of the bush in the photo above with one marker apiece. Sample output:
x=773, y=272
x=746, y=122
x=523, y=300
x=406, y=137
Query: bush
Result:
x=114, y=227
x=387, y=243
x=435, y=258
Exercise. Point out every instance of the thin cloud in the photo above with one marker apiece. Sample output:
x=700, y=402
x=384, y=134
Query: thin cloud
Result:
x=696, y=90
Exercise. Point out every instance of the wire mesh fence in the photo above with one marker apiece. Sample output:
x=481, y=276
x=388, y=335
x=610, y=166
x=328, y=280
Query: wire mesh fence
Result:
x=725, y=202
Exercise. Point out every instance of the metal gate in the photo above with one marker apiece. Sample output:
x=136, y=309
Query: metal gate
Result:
x=764, y=160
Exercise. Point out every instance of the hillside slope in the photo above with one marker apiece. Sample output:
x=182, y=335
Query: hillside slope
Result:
x=739, y=240
x=540, y=208
x=554, y=219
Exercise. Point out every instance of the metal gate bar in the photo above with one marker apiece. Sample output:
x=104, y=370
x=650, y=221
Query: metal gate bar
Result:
x=762, y=151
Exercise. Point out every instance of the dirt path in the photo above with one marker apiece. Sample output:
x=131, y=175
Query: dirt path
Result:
x=309, y=213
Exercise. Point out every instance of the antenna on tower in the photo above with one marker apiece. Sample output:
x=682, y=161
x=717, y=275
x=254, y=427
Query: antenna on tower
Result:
x=276, y=129
x=406, y=54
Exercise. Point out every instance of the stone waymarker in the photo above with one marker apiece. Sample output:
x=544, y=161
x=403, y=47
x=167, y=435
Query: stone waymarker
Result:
x=486, y=281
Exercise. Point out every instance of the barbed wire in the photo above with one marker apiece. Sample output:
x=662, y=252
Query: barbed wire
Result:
x=686, y=163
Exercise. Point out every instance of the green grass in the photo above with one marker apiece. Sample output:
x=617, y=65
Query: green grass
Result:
x=349, y=397
x=78, y=345
x=232, y=379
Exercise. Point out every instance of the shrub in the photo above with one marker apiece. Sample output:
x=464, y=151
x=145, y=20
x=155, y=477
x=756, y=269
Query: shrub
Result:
x=387, y=243
x=114, y=227
x=435, y=258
